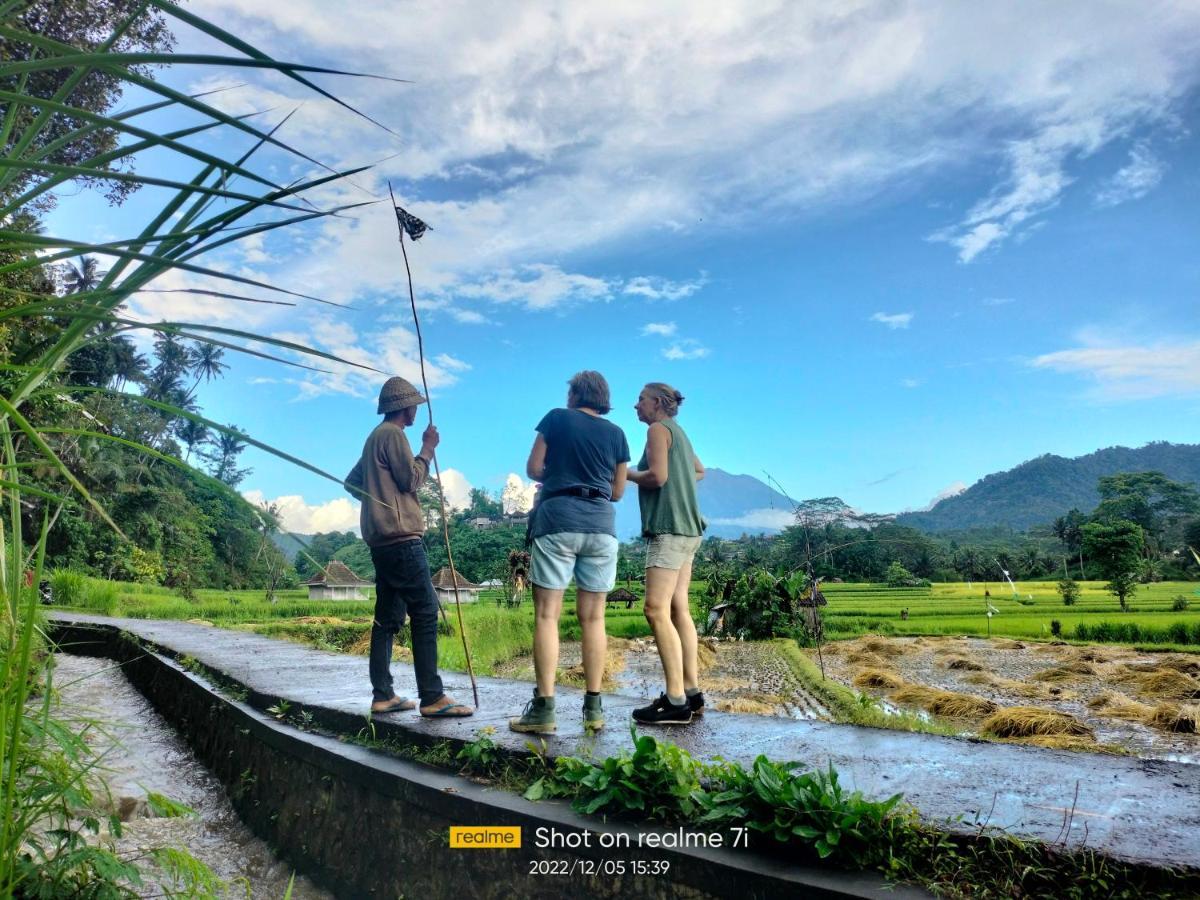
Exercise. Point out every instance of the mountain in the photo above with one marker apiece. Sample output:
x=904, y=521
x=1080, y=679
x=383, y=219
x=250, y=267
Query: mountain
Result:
x=733, y=504
x=289, y=543
x=1040, y=490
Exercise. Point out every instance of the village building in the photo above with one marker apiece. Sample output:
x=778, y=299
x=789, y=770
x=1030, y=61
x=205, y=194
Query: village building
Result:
x=337, y=582
x=443, y=584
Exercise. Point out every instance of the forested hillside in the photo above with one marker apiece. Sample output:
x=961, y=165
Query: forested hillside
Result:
x=1040, y=490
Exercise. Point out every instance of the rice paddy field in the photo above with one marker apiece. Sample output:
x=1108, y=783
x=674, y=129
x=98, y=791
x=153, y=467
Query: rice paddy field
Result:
x=1029, y=612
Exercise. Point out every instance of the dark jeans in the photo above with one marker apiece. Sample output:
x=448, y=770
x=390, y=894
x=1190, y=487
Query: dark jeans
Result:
x=403, y=585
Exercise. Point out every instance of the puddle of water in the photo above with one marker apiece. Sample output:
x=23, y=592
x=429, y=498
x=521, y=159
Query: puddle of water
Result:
x=141, y=754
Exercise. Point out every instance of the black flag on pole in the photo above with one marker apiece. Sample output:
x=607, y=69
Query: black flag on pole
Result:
x=412, y=226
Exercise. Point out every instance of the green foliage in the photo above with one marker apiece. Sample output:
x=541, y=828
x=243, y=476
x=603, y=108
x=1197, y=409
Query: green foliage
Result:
x=656, y=780
x=1178, y=633
x=1116, y=545
x=481, y=755
x=1056, y=627
x=761, y=607
x=1179, y=603
x=812, y=808
x=899, y=577
x=1068, y=589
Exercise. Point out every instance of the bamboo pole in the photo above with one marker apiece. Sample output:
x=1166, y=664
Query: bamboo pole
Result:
x=436, y=469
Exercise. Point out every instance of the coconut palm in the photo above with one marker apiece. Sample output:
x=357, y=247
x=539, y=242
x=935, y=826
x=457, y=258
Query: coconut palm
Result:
x=84, y=277
x=205, y=361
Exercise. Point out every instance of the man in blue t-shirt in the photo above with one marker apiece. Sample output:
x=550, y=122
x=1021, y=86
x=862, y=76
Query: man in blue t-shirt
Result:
x=580, y=458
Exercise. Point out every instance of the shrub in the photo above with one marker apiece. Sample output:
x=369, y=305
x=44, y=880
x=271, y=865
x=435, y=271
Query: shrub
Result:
x=1056, y=627
x=899, y=577
x=1179, y=603
x=68, y=587
x=1068, y=589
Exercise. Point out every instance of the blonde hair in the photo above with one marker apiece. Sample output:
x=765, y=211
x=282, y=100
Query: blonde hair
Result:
x=668, y=398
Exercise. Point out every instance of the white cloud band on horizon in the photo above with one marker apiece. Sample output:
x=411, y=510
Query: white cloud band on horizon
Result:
x=1131, y=372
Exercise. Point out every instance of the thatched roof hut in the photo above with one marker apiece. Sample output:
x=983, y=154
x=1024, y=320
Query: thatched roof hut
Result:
x=443, y=583
x=337, y=582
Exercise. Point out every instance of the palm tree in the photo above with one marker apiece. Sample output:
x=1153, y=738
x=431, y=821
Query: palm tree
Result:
x=193, y=434
x=84, y=277
x=205, y=361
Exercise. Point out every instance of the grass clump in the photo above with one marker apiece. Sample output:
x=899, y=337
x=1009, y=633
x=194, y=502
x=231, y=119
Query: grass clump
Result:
x=1032, y=721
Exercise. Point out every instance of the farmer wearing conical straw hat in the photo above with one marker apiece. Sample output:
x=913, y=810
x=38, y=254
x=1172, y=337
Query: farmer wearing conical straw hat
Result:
x=386, y=478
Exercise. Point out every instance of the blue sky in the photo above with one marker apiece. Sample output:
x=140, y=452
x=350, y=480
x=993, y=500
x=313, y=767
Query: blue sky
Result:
x=883, y=248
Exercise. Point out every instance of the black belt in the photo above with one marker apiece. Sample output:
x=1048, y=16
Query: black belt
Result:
x=588, y=493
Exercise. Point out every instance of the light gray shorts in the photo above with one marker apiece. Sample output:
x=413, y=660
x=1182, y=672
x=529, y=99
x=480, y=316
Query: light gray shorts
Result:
x=670, y=551
x=592, y=558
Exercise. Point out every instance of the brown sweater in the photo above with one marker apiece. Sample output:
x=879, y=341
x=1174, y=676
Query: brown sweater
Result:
x=386, y=479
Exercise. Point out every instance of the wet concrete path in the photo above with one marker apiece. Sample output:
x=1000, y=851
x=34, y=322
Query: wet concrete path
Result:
x=1140, y=810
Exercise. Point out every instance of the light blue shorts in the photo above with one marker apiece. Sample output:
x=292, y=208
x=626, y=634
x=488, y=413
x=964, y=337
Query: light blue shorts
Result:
x=592, y=558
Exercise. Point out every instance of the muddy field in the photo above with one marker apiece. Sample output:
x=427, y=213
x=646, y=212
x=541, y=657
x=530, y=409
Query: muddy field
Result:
x=1055, y=695
x=1096, y=697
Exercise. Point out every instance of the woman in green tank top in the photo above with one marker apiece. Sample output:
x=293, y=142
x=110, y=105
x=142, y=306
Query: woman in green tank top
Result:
x=673, y=528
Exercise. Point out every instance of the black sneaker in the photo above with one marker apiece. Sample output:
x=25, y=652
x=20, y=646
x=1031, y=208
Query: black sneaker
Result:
x=663, y=712
x=696, y=703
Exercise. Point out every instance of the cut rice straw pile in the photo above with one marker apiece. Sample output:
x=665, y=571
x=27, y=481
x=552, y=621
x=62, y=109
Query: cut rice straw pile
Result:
x=944, y=703
x=1176, y=719
x=1006, y=644
x=1069, y=671
x=1115, y=705
x=1030, y=721
x=882, y=646
x=962, y=664
x=877, y=678
x=1167, y=684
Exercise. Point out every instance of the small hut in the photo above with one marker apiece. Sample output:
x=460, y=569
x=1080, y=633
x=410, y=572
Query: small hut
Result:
x=443, y=584
x=621, y=595
x=337, y=582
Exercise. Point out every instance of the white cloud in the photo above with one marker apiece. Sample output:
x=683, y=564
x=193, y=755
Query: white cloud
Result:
x=1131, y=372
x=392, y=350
x=663, y=288
x=537, y=287
x=663, y=329
x=517, y=495
x=911, y=382
x=456, y=489
x=301, y=517
x=583, y=125
x=998, y=301
x=893, y=320
x=951, y=490
x=685, y=348
x=1135, y=179
x=775, y=519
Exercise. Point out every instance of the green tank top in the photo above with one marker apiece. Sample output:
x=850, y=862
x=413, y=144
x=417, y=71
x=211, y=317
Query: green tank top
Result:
x=673, y=508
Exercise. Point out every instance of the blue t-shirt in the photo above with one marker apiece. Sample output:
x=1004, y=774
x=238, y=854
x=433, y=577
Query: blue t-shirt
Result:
x=581, y=451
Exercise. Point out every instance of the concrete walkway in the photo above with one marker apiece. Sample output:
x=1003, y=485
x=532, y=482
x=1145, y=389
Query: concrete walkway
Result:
x=1145, y=811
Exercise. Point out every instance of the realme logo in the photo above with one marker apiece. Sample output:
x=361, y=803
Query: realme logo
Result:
x=485, y=837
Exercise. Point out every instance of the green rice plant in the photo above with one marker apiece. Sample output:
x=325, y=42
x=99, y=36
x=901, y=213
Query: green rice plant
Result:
x=68, y=587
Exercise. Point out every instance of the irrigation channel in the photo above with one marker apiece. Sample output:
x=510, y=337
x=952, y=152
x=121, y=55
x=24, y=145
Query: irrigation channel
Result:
x=141, y=753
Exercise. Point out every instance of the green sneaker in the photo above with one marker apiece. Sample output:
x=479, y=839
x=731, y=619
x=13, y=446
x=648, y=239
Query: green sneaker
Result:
x=537, y=718
x=593, y=713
